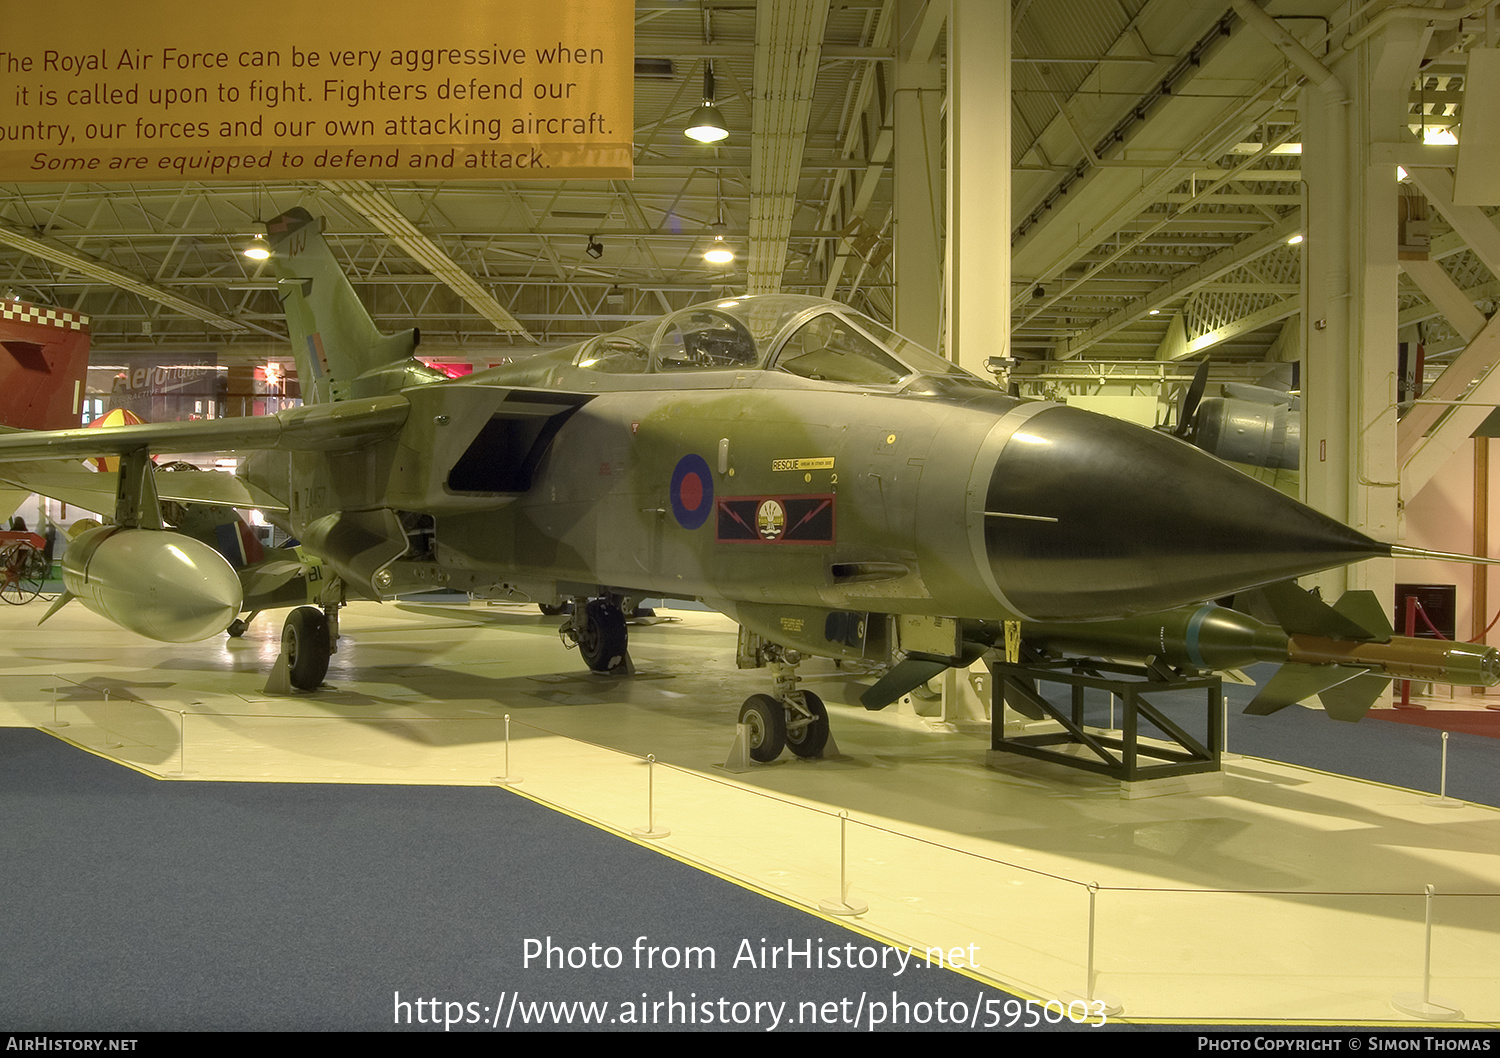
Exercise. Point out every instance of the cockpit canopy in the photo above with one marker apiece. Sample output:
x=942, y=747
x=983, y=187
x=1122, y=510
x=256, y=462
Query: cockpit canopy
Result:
x=805, y=336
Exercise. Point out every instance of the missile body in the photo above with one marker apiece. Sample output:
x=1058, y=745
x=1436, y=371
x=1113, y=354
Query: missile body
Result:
x=1405, y=658
x=1214, y=637
x=159, y=584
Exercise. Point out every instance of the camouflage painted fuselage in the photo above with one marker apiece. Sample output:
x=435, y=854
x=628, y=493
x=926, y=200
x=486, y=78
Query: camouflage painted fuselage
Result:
x=750, y=488
x=799, y=468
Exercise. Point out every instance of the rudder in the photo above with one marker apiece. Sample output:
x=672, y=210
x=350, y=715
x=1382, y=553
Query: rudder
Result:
x=339, y=351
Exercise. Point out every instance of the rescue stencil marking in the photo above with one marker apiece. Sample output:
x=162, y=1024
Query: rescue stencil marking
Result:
x=821, y=463
x=776, y=519
x=692, y=491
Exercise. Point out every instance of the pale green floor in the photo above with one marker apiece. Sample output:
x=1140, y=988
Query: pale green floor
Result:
x=1258, y=900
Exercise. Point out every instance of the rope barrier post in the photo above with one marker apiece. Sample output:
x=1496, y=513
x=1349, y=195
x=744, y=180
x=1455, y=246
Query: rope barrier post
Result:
x=1096, y=1002
x=505, y=779
x=181, y=746
x=1425, y=1005
x=1442, y=800
x=55, y=721
x=843, y=905
x=650, y=830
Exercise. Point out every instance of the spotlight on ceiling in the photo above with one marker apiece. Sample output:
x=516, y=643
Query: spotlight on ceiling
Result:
x=594, y=249
x=258, y=249
x=1039, y=292
x=706, y=126
x=719, y=253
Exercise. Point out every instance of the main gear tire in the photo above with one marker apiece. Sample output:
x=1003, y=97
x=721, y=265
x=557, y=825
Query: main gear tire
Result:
x=305, y=646
x=808, y=740
x=602, y=636
x=766, y=719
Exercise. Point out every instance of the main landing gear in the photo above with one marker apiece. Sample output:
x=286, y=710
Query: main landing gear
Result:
x=790, y=719
x=597, y=628
x=309, y=639
x=306, y=645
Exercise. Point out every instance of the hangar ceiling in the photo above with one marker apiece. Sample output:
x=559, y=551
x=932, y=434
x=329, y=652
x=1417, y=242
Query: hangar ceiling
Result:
x=1154, y=190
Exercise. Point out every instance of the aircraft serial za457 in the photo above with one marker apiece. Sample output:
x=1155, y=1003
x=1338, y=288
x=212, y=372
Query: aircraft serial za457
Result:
x=827, y=484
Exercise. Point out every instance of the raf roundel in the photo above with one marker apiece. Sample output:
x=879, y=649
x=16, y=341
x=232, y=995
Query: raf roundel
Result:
x=692, y=492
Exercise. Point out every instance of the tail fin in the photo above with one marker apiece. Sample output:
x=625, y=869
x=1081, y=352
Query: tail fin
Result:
x=340, y=354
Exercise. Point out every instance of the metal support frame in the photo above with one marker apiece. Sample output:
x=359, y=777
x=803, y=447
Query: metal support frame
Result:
x=1177, y=752
x=136, y=503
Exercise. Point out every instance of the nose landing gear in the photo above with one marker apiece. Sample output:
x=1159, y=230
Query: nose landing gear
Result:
x=790, y=719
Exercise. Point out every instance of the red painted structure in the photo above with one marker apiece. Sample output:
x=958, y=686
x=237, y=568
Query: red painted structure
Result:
x=42, y=367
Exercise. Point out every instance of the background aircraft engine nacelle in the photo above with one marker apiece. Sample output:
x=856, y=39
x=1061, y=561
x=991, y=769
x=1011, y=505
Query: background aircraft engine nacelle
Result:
x=1243, y=431
x=159, y=584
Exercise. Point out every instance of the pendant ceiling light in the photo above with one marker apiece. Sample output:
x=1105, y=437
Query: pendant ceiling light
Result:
x=719, y=251
x=706, y=126
x=258, y=249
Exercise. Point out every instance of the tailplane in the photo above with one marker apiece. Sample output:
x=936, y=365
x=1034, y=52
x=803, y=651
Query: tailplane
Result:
x=340, y=353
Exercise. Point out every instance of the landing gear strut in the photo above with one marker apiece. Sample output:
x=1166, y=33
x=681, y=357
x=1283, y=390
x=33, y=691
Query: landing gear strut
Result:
x=807, y=726
x=240, y=625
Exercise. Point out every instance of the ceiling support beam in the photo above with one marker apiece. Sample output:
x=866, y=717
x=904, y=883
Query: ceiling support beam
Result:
x=1185, y=283
x=1253, y=322
x=788, y=48
x=1474, y=366
x=1427, y=455
x=84, y=265
x=1445, y=296
x=385, y=216
x=1469, y=222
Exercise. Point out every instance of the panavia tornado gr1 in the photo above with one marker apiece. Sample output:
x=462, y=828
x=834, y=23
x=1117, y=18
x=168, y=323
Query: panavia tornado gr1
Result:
x=826, y=483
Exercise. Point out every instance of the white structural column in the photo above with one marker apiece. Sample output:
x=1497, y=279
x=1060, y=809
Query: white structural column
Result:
x=977, y=277
x=918, y=111
x=1350, y=276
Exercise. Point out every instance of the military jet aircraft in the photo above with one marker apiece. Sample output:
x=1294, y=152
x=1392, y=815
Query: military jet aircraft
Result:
x=835, y=489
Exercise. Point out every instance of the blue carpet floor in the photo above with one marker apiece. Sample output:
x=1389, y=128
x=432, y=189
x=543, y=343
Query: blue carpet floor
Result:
x=135, y=905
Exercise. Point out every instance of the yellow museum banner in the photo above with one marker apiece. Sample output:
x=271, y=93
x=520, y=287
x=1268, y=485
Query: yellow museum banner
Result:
x=100, y=90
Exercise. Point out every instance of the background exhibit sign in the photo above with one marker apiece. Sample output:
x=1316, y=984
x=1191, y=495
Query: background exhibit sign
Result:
x=97, y=90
